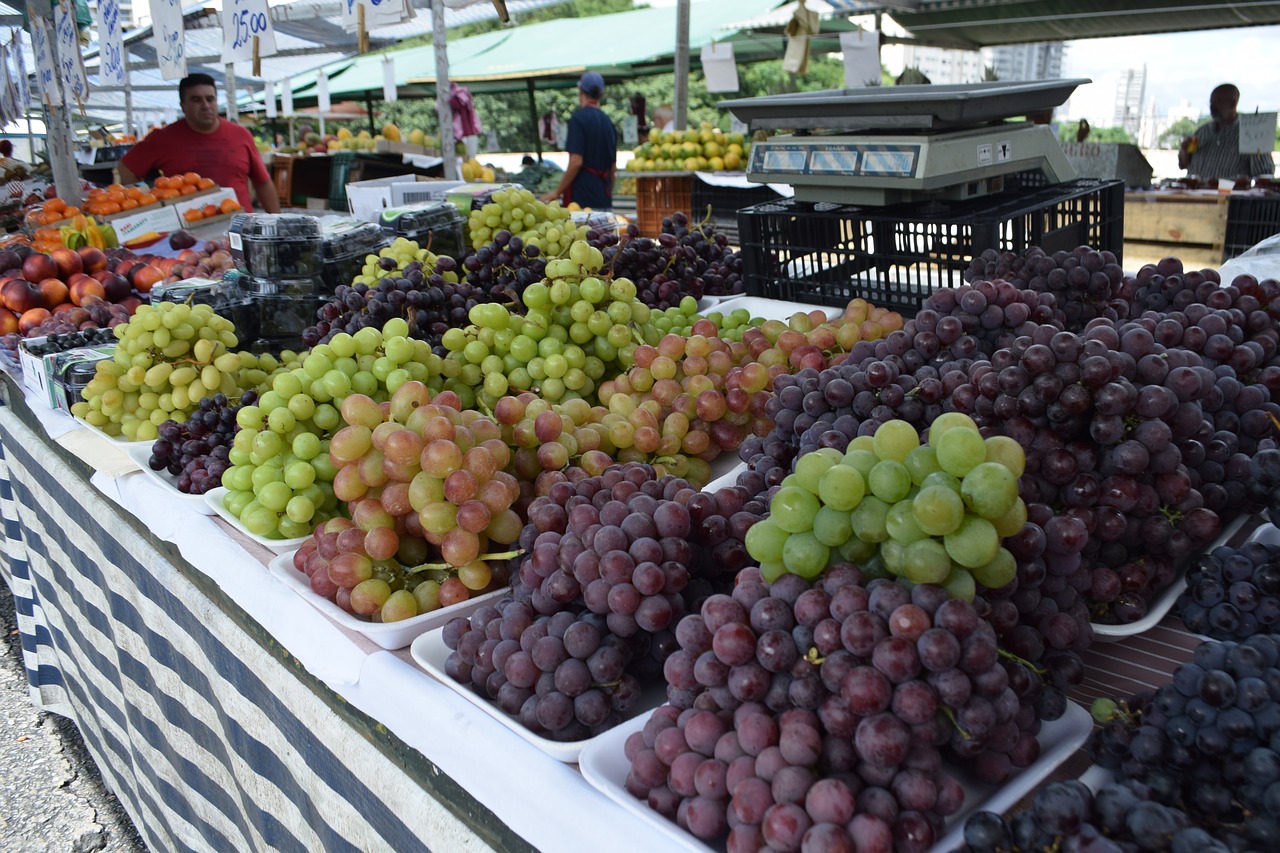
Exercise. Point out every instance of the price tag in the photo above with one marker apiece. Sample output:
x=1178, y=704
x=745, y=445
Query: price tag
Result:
x=70, y=66
x=111, y=54
x=42, y=47
x=390, y=92
x=269, y=94
x=242, y=20
x=24, y=90
x=8, y=94
x=1257, y=133
x=286, y=97
x=322, y=92
x=170, y=46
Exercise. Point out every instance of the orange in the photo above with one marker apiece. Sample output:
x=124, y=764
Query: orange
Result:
x=162, y=183
x=187, y=189
x=191, y=178
x=229, y=205
x=146, y=198
x=133, y=192
x=69, y=212
x=205, y=183
x=210, y=210
x=115, y=187
x=193, y=215
x=115, y=195
x=55, y=205
x=129, y=204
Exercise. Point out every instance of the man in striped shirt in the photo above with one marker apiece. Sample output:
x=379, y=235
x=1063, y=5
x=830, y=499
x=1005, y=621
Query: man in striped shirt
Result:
x=1213, y=151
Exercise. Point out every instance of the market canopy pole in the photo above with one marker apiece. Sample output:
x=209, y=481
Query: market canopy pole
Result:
x=229, y=89
x=533, y=114
x=681, y=71
x=444, y=112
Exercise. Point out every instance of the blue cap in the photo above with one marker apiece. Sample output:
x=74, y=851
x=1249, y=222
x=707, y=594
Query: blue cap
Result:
x=592, y=84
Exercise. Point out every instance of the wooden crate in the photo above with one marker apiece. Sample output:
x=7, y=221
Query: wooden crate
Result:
x=1176, y=218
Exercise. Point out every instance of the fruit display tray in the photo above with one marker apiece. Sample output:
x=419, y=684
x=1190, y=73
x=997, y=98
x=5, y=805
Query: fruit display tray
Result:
x=772, y=309
x=214, y=500
x=430, y=653
x=388, y=635
x=1235, y=533
x=114, y=439
x=604, y=765
x=140, y=453
x=727, y=479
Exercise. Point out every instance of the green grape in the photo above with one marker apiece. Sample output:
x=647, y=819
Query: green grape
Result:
x=974, y=543
x=869, y=518
x=804, y=555
x=921, y=462
x=764, y=540
x=894, y=440
x=832, y=527
x=810, y=468
x=841, y=487
x=989, y=490
x=942, y=478
x=856, y=551
x=889, y=481
x=862, y=442
x=259, y=521
x=1006, y=451
x=960, y=451
x=793, y=509
x=959, y=585
x=947, y=421
x=901, y=523
x=1001, y=571
x=892, y=556
x=938, y=510
x=1013, y=521
x=926, y=561
x=861, y=460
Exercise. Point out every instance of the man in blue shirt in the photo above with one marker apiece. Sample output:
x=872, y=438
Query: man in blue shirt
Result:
x=593, y=151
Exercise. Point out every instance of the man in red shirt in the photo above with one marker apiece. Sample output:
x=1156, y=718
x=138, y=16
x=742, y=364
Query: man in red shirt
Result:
x=204, y=143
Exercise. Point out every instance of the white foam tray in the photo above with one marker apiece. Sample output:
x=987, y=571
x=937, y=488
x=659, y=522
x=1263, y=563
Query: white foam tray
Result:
x=729, y=478
x=605, y=766
x=1236, y=532
x=214, y=500
x=114, y=439
x=140, y=454
x=388, y=635
x=430, y=653
x=772, y=309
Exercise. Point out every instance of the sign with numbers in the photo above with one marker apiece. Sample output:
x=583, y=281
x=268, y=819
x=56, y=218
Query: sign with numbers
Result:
x=24, y=89
x=1257, y=133
x=70, y=66
x=42, y=47
x=8, y=92
x=167, y=38
x=242, y=22
x=110, y=43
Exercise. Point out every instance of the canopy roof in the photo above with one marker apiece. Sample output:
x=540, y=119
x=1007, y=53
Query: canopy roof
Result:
x=985, y=23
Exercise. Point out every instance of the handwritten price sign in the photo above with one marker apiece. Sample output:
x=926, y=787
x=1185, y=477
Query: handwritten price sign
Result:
x=242, y=22
x=111, y=43
x=171, y=50
x=70, y=67
x=42, y=47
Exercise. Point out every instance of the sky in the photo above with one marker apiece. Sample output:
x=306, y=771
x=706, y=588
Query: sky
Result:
x=1180, y=66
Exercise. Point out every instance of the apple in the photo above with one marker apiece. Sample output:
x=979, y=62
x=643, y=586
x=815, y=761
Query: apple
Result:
x=68, y=261
x=8, y=323
x=55, y=292
x=116, y=287
x=32, y=318
x=93, y=259
x=20, y=295
x=85, y=288
x=38, y=267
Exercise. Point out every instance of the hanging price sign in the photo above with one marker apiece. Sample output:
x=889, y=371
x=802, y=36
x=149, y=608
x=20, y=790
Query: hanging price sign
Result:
x=171, y=49
x=242, y=22
x=110, y=43
x=42, y=47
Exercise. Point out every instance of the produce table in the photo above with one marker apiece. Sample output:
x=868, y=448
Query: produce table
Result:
x=225, y=711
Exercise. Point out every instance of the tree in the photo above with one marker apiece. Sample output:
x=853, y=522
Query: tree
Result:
x=1178, y=131
x=1101, y=135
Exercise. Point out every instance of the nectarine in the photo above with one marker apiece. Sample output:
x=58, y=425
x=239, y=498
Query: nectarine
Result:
x=65, y=308
x=93, y=259
x=32, y=318
x=85, y=288
x=8, y=322
x=55, y=292
x=68, y=261
x=146, y=277
x=20, y=295
x=116, y=287
x=38, y=267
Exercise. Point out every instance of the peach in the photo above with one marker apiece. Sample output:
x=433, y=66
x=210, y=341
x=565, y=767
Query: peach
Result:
x=93, y=259
x=85, y=288
x=20, y=295
x=68, y=262
x=55, y=292
x=8, y=322
x=32, y=318
x=146, y=277
x=38, y=267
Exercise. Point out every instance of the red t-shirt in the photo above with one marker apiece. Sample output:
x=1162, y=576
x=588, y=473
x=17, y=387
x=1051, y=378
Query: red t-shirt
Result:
x=227, y=156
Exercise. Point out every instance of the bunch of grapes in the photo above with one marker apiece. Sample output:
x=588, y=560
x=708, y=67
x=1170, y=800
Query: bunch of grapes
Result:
x=547, y=227
x=806, y=715
x=1069, y=816
x=729, y=327
x=577, y=329
x=931, y=513
x=167, y=358
x=612, y=562
x=1264, y=481
x=197, y=451
x=1083, y=280
x=1207, y=744
x=504, y=268
x=680, y=262
x=1233, y=593
x=993, y=312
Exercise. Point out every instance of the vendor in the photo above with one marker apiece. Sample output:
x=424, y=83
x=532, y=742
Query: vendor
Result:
x=664, y=118
x=203, y=142
x=593, y=151
x=1213, y=151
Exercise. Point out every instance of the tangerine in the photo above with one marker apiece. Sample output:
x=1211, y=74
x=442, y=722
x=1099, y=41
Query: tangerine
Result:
x=55, y=204
x=193, y=215
x=187, y=189
x=191, y=178
x=229, y=205
x=205, y=183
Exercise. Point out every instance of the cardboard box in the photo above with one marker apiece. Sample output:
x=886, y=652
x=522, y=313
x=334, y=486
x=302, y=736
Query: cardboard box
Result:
x=369, y=198
x=143, y=229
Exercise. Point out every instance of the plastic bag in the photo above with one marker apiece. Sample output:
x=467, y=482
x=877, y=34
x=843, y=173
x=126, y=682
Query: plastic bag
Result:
x=1261, y=261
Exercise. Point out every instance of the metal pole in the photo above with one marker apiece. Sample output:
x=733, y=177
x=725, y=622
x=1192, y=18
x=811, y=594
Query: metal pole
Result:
x=681, y=105
x=368, y=105
x=233, y=109
x=533, y=114
x=444, y=112
x=128, y=109
x=57, y=126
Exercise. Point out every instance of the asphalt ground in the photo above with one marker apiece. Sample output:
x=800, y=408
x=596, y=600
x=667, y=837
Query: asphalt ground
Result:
x=52, y=797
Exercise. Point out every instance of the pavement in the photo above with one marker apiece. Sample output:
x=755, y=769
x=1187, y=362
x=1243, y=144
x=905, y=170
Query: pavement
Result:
x=52, y=797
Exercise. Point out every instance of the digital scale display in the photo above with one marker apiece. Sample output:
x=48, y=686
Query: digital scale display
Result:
x=848, y=160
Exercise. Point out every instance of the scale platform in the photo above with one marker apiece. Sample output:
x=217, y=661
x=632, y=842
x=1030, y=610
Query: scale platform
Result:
x=886, y=145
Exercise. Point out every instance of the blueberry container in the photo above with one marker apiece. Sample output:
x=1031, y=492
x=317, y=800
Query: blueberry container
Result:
x=436, y=225
x=347, y=242
x=276, y=245
x=225, y=295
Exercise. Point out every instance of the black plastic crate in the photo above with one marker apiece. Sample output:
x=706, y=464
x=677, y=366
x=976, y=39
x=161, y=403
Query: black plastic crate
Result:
x=895, y=256
x=1250, y=220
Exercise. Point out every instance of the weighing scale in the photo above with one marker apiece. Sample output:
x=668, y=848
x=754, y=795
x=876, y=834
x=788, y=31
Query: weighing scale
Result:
x=894, y=144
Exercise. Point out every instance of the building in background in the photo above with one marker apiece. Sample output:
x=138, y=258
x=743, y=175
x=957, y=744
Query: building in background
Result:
x=942, y=65
x=1131, y=91
x=1039, y=61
